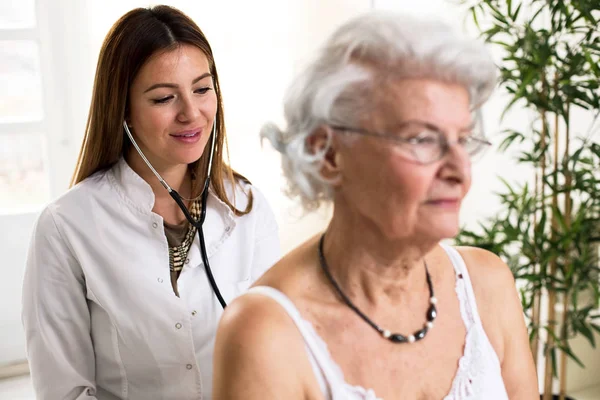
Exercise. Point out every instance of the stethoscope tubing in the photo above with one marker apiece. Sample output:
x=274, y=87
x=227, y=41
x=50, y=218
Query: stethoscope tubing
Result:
x=179, y=200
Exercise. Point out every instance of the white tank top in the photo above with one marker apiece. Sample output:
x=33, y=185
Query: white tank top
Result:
x=478, y=376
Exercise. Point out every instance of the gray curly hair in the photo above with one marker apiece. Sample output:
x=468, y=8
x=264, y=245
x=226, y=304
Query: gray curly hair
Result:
x=339, y=84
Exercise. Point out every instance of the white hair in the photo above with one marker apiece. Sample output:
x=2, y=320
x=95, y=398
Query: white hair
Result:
x=339, y=84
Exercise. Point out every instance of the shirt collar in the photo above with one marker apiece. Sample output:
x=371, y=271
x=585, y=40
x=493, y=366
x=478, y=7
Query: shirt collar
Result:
x=137, y=194
x=132, y=188
x=135, y=191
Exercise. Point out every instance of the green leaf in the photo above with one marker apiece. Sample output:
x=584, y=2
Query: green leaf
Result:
x=589, y=335
x=553, y=359
x=507, y=142
x=572, y=356
x=515, y=15
x=498, y=16
x=537, y=13
x=560, y=218
x=473, y=12
x=507, y=46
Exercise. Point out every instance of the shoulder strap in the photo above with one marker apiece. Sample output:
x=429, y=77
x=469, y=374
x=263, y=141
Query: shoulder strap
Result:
x=318, y=354
x=464, y=287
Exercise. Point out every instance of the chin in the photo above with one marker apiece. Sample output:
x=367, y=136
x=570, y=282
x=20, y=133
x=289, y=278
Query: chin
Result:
x=450, y=226
x=188, y=158
x=440, y=229
x=449, y=232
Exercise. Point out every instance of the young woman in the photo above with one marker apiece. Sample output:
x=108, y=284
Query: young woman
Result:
x=118, y=301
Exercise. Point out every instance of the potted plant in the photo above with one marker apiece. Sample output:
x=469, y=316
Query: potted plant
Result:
x=547, y=229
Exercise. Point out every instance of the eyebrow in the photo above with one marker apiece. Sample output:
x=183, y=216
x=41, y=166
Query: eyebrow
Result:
x=430, y=125
x=175, y=86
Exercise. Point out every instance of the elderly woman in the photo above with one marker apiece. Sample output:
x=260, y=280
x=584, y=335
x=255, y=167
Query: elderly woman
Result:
x=381, y=125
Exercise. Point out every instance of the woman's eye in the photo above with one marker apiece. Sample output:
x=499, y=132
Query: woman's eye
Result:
x=425, y=138
x=202, y=90
x=162, y=100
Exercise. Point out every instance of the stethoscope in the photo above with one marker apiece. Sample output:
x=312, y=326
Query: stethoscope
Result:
x=178, y=199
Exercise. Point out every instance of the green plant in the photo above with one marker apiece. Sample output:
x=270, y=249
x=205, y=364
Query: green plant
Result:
x=548, y=225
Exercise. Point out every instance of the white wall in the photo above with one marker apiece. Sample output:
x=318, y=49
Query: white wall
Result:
x=14, y=235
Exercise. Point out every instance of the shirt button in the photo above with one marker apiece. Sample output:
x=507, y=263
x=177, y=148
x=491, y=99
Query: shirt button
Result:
x=189, y=366
x=154, y=225
x=160, y=280
x=194, y=313
x=187, y=260
x=227, y=229
x=178, y=325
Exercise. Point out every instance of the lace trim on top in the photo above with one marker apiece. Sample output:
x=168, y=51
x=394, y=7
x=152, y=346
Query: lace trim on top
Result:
x=469, y=380
x=464, y=384
x=471, y=363
x=356, y=392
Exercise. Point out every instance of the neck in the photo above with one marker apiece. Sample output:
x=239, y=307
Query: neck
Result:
x=176, y=176
x=369, y=264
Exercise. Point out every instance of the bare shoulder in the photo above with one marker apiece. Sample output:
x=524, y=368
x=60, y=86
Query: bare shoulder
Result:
x=253, y=334
x=252, y=317
x=295, y=272
x=487, y=271
x=259, y=351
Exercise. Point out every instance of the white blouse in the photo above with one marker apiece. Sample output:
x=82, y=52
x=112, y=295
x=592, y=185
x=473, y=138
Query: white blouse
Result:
x=100, y=315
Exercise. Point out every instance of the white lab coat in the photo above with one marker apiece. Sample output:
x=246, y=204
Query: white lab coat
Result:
x=100, y=315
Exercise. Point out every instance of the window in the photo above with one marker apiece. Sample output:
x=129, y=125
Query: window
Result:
x=36, y=148
x=24, y=182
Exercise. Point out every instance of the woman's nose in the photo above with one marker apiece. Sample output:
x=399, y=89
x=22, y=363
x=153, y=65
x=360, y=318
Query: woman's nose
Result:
x=189, y=110
x=457, y=155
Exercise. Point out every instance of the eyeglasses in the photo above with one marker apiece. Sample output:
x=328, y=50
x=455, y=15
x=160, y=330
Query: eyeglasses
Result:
x=424, y=142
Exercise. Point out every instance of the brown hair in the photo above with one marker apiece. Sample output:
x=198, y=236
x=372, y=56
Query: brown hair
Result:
x=132, y=40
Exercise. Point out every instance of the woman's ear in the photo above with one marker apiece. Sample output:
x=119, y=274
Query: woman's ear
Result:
x=323, y=140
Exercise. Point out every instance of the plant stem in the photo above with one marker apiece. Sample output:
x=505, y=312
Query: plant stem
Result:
x=548, y=376
x=535, y=309
x=563, y=356
x=548, y=372
x=568, y=265
x=543, y=267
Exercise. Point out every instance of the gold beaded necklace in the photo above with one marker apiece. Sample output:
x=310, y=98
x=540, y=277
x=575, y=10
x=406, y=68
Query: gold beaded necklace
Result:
x=178, y=254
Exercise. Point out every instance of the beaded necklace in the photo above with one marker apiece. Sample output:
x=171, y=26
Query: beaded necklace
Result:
x=178, y=254
x=392, y=337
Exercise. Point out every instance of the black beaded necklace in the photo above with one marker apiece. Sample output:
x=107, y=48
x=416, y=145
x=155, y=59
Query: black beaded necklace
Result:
x=393, y=337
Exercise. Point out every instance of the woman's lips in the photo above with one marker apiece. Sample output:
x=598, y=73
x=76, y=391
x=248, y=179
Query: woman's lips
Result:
x=449, y=204
x=189, y=137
